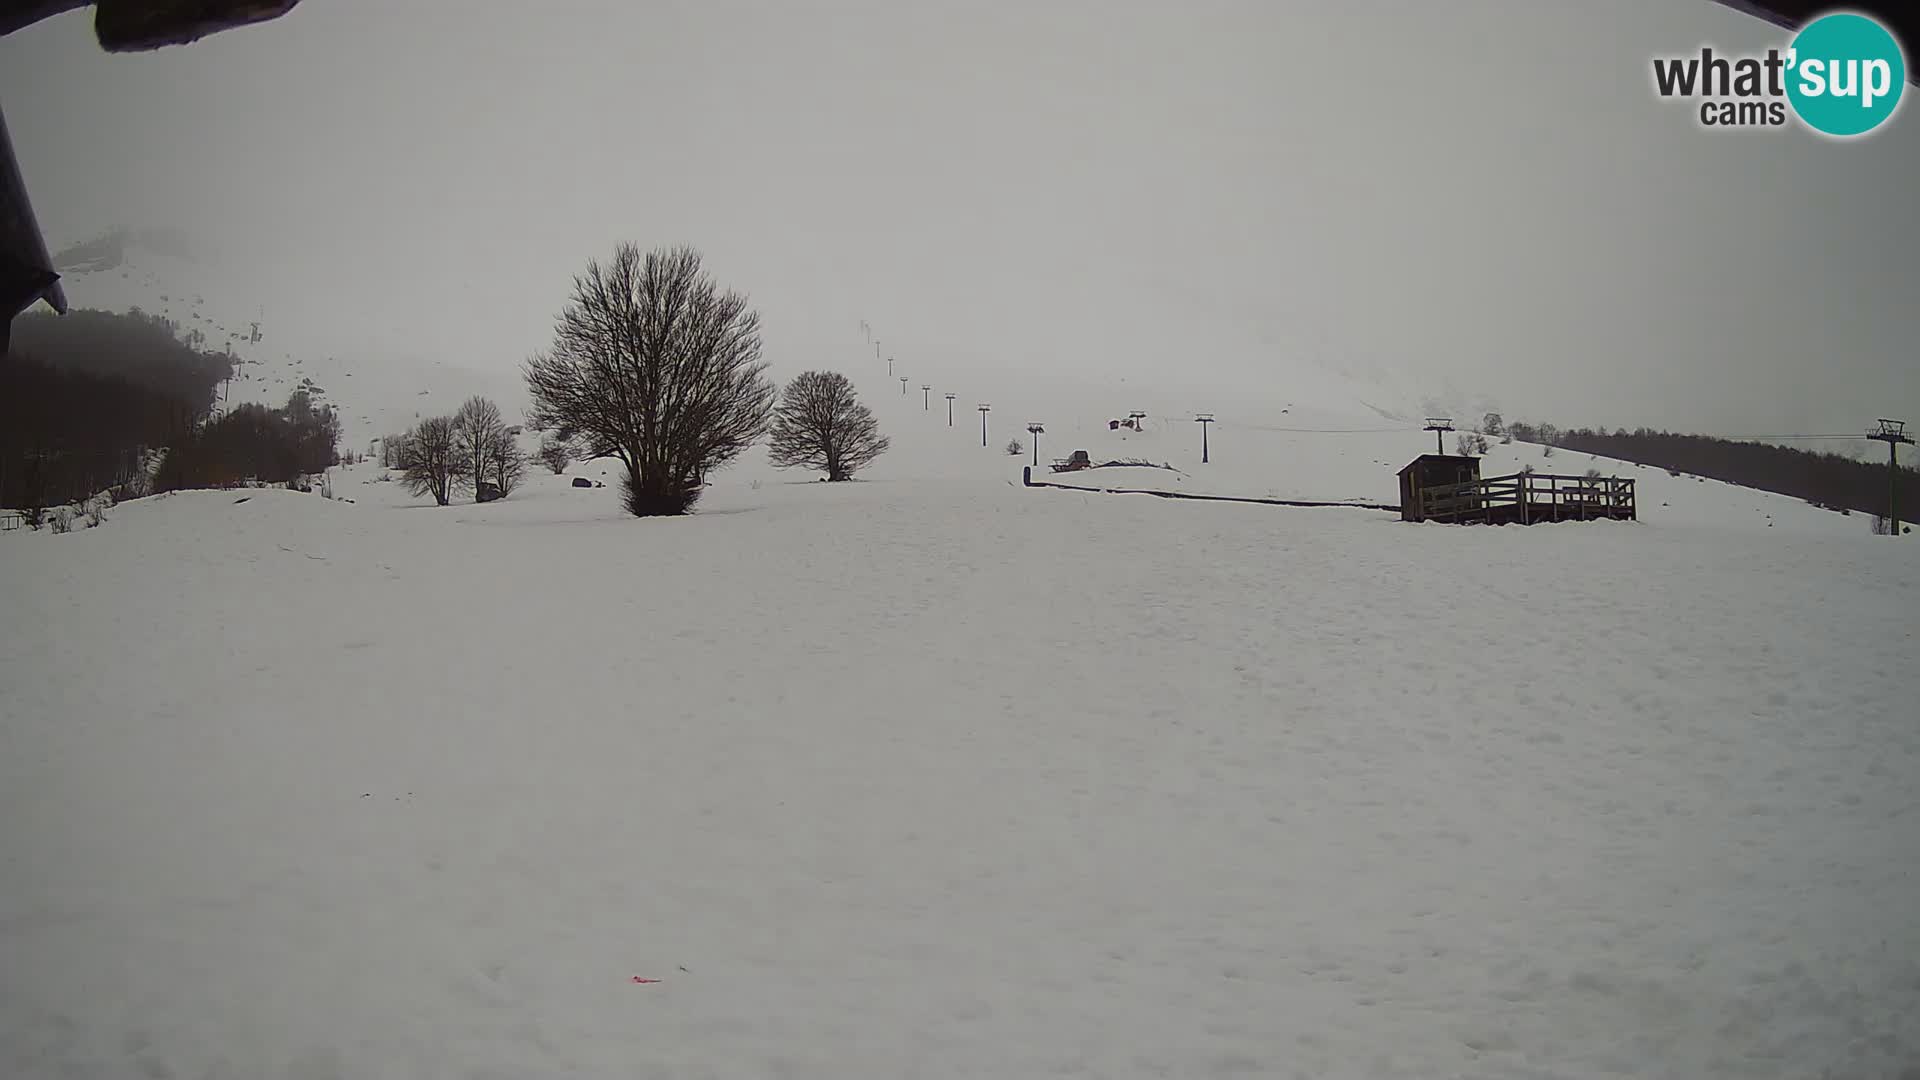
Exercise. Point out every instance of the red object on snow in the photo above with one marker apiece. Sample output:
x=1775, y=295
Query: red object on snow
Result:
x=638, y=979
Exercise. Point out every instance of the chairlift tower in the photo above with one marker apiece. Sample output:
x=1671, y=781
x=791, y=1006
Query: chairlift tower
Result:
x=903, y=386
x=950, y=398
x=1439, y=425
x=984, y=409
x=1204, y=419
x=1035, y=430
x=926, y=397
x=1893, y=433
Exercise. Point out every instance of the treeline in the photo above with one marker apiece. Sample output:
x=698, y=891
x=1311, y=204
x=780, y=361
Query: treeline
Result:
x=146, y=350
x=88, y=399
x=66, y=435
x=254, y=442
x=85, y=397
x=1824, y=479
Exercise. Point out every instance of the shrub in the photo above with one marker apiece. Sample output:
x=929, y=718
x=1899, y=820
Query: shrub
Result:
x=555, y=454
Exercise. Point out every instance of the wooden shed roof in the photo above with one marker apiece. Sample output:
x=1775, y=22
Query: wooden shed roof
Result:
x=1424, y=458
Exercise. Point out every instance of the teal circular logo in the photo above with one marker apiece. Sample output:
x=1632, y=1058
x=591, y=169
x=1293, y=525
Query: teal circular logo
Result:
x=1845, y=73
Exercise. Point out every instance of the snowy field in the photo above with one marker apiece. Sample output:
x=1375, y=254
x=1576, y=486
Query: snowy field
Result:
x=937, y=776
x=934, y=775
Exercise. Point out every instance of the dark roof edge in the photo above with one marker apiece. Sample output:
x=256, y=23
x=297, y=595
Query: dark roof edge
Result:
x=20, y=230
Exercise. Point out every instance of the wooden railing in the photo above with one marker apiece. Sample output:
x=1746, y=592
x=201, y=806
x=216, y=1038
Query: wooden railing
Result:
x=1527, y=498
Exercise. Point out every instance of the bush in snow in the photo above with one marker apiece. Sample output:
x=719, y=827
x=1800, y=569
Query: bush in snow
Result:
x=555, y=454
x=137, y=486
x=652, y=363
x=60, y=520
x=1015, y=448
x=821, y=425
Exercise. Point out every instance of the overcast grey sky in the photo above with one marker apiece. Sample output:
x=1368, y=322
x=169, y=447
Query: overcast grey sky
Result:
x=1486, y=193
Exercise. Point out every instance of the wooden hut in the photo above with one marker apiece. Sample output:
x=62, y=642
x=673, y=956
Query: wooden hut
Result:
x=1429, y=471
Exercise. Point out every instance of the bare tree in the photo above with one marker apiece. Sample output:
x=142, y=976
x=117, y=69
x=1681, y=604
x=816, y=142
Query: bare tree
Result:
x=820, y=425
x=555, y=454
x=393, y=450
x=477, y=433
x=653, y=364
x=430, y=460
x=507, y=463
x=1015, y=448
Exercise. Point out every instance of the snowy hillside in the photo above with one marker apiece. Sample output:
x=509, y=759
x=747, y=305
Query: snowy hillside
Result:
x=1262, y=445
x=381, y=386
x=376, y=383
x=1312, y=433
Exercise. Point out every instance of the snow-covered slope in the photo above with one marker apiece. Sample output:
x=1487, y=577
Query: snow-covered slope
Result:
x=377, y=383
x=938, y=776
x=1261, y=445
x=1312, y=433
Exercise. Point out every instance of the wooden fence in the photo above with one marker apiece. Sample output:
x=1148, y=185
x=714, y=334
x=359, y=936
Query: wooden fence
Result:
x=1529, y=499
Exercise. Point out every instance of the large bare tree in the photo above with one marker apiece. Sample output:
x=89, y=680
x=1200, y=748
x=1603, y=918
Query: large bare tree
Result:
x=430, y=459
x=477, y=431
x=820, y=424
x=653, y=364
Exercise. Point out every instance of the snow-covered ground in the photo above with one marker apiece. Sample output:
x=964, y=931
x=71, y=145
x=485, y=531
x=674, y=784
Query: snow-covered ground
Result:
x=933, y=775
x=936, y=775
